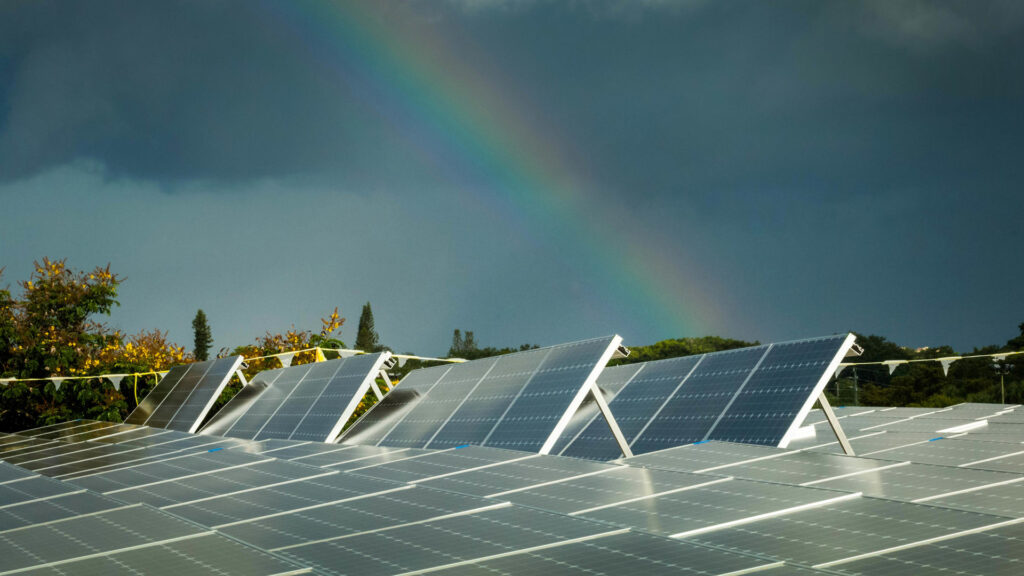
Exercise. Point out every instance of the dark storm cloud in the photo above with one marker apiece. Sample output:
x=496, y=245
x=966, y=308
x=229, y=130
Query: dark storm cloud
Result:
x=831, y=166
x=174, y=90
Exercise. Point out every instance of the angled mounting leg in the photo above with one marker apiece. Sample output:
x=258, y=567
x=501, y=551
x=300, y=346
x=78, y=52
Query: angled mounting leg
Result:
x=376, y=389
x=241, y=378
x=834, y=423
x=610, y=420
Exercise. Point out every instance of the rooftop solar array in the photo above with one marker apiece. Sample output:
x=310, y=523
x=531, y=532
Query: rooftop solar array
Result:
x=450, y=476
x=520, y=401
x=757, y=395
x=183, y=398
x=306, y=402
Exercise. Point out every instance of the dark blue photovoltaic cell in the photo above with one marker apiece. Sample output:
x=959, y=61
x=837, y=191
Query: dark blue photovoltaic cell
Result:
x=377, y=422
x=611, y=382
x=434, y=409
x=691, y=412
x=513, y=401
x=633, y=407
x=181, y=400
x=530, y=420
x=308, y=402
x=751, y=395
x=770, y=401
x=474, y=419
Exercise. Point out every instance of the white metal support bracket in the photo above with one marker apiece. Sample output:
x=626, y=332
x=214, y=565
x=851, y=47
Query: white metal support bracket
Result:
x=610, y=420
x=376, y=389
x=834, y=423
x=241, y=378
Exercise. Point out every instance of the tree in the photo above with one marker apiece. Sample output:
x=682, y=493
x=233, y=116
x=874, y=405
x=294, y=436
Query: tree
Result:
x=367, y=339
x=201, y=336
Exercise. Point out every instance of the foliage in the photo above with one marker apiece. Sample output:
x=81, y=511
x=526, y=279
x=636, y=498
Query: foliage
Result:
x=290, y=340
x=202, y=338
x=50, y=332
x=923, y=383
x=367, y=338
x=464, y=346
x=680, y=347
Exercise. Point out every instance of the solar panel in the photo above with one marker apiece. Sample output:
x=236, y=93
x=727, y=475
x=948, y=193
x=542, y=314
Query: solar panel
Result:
x=352, y=517
x=803, y=468
x=756, y=395
x=521, y=401
x=183, y=398
x=1001, y=500
x=712, y=507
x=705, y=456
x=167, y=470
x=9, y=472
x=99, y=533
x=441, y=463
x=307, y=402
x=614, y=486
x=952, y=452
x=206, y=554
x=443, y=542
x=56, y=508
x=844, y=530
x=133, y=456
x=987, y=553
x=32, y=488
x=246, y=506
x=220, y=483
x=910, y=482
x=613, y=555
x=517, y=475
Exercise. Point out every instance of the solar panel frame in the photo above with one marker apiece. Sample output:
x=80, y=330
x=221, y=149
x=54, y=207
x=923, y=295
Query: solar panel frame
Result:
x=504, y=401
x=182, y=399
x=719, y=395
x=310, y=402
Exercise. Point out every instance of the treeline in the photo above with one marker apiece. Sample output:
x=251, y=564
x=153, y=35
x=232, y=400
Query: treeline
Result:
x=923, y=383
x=51, y=331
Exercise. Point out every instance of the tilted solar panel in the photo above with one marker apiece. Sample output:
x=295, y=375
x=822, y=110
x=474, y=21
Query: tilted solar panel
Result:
x=756, y=395
x=520, y=401
x=184, y=397
x=306, y=402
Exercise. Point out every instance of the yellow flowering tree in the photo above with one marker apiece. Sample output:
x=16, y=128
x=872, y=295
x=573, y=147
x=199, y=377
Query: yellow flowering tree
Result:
x=288, y=341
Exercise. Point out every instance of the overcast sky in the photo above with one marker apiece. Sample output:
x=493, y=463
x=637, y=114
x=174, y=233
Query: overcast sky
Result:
x=533, y=171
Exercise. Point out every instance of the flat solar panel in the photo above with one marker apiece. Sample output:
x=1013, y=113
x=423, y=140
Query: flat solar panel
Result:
x=988, y=553
x=206, y=554
x=183, y=398
x=166, y=470
x=441, y=463
x=442, y=542
x=614, y=555
x=517, y=475
x=9, y=472
x=803, y=468
x=521, y=401
x=32, y=488
x=308, y=402
x=57, y=508
x=220, y=483
x=844, y=530
x=98, y=533
x=711, y=507
x=246, y=506
x=705, y=456
x=352, y=517
x=615, y=486
x=1000, y=500
x=910, y=482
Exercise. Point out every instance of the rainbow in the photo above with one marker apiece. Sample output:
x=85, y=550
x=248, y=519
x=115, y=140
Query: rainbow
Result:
x=463, y=121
